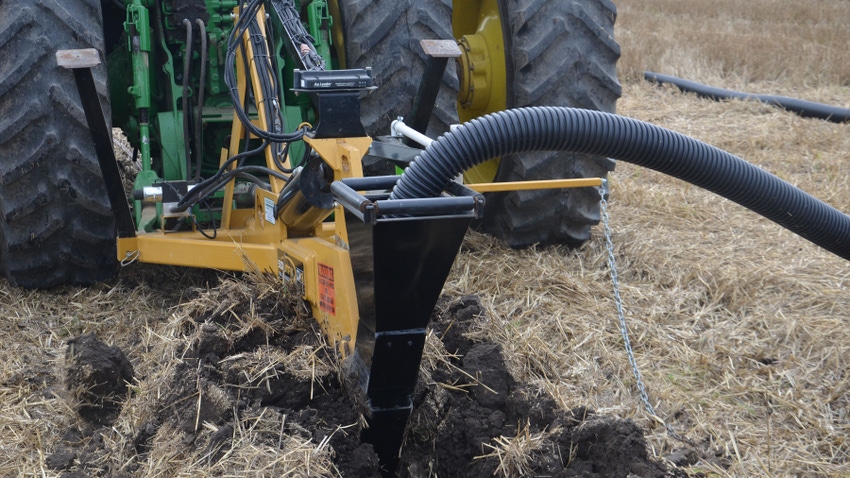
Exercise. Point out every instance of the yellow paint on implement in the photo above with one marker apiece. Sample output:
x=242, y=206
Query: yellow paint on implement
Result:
x=482, y=70
x=531, y=185
x=317, y=266
x=327, y=282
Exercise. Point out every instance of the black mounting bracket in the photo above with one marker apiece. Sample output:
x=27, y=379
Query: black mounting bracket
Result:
x=81, y=62
x=439, y=52
x=336, y=95
x=401, y=253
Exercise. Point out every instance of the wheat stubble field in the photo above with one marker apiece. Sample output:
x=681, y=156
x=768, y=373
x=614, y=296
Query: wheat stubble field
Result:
x=740, y=328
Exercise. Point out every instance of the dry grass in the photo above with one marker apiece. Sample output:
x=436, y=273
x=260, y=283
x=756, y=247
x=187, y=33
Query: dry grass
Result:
x=154, y=325
x=35, y=326
x=740, y=328
x=754, y=41
x=515, y=454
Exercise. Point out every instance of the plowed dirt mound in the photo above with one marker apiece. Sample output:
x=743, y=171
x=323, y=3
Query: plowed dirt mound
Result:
x=247, y=376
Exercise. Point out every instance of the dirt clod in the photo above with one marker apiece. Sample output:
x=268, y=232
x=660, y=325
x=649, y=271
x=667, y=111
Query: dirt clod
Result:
x=683, y=457
x=610, y=446
x=263, y=373
x=96, y=375
x=484, y=362
x=475, y=420
x=61, y=460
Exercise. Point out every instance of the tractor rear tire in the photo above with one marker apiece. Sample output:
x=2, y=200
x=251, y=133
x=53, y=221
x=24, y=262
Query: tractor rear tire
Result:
x=559, y=53
x=384, y=35
x=56, y=224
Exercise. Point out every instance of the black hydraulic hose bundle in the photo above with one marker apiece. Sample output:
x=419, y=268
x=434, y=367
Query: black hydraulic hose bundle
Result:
x=300, y=43
x=806, y=109
x=263, y=63
x=604, y=134
x=247, y=20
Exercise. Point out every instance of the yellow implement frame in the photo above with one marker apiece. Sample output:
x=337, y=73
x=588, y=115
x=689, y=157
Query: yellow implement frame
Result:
x=531, y=185
x=317, y=263
x=254, y=239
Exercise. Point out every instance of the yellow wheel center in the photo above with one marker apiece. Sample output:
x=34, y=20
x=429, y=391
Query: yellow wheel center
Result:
x=473, y=73
x=481, y=69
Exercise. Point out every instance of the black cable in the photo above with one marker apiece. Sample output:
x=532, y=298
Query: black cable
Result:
x=307, y=151
x=806, y=109
x=253, y=179
x=247, y=16
x=203, y=184
x=300, y=39
x=199, y=158
x=249, y=89
x=210, y=189
x=270, y=91
x=264, y=64
x=246, y=143
x=187, y=64
x=277, y=161
x=200, y=229
x=276, y=69
x=206, y=204
x=222, y=176
x=251, y=168
x=204, y=192
x=263, y=67
x=265, y=73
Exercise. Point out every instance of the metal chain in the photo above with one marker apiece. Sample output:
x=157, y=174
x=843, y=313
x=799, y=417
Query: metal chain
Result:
x=621, y=315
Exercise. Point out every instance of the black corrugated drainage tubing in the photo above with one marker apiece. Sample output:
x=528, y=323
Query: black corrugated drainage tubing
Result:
x=604, y=134
x=806, y=109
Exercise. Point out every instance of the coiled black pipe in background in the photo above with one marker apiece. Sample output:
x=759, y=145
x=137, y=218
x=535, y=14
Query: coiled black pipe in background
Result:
x=806, y=109
x=604, y=134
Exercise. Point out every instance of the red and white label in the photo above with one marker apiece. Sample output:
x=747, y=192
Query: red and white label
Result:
x=327, y=292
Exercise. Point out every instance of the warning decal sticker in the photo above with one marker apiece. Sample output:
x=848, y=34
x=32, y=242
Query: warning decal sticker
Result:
x=327, y=294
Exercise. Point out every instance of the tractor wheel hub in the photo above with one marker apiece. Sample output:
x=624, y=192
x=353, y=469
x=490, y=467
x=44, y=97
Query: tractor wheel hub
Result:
x=474, y=72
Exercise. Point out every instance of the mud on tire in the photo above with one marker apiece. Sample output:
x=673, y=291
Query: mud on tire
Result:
x=56, y=225
x=560, y=53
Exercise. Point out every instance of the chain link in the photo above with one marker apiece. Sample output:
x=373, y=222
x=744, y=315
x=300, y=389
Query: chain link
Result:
x=621, y=315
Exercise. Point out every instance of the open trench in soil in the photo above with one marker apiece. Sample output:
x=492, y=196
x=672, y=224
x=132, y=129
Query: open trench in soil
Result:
x=250, y=380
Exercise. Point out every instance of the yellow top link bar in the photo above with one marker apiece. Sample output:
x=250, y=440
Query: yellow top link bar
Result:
x=529, y=185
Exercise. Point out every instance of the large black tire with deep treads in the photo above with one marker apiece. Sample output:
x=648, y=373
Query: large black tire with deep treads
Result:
x=56, y=225
x=559, y=53
x=384, y=35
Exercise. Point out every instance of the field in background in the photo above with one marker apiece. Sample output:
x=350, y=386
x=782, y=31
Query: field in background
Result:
x=792, y=43
x=739, y=327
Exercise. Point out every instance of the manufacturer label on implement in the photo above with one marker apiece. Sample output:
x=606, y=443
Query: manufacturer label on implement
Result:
x=327, y=294
x=268, y=205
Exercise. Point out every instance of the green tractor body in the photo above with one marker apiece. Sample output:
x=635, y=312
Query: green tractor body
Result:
x=179, y=131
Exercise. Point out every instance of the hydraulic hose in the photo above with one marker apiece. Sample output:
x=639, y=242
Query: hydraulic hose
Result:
x=199, y=119
x=187, y=65
x=604, y=134
x=806, y=109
